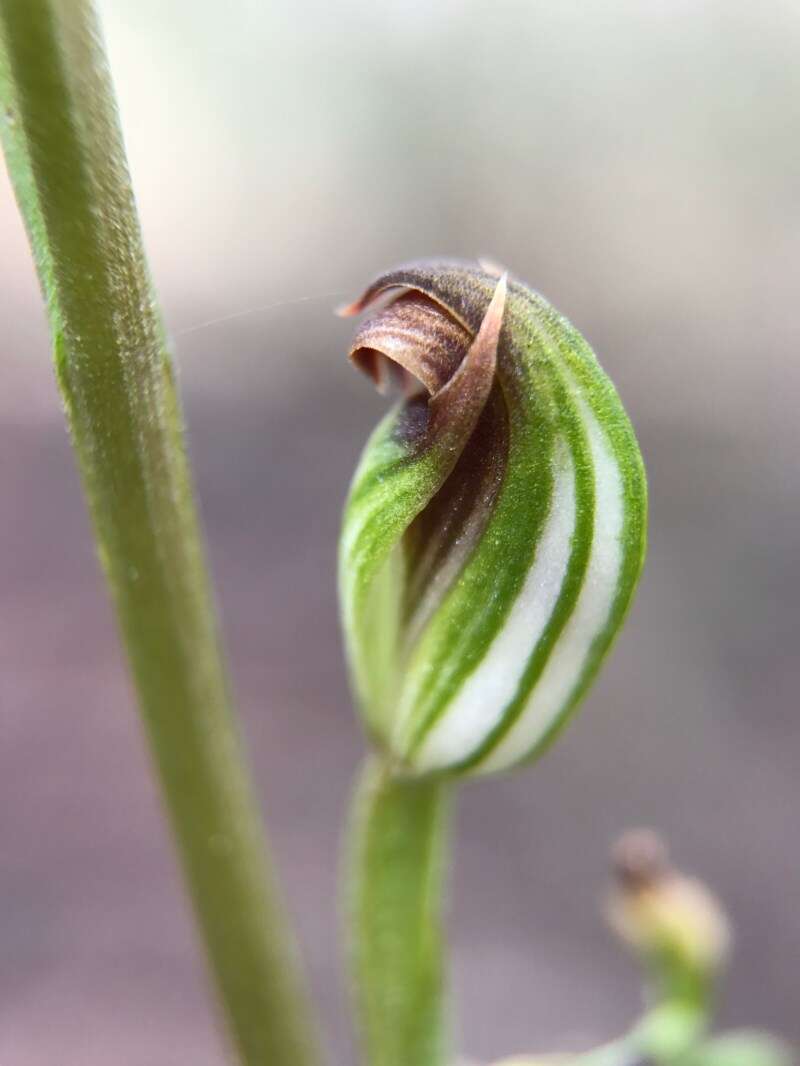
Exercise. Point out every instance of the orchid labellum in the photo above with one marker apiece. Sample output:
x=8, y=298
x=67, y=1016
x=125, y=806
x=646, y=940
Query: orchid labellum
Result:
x=495, y=528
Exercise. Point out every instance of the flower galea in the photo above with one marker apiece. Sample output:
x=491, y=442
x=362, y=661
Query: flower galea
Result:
x=495, y=527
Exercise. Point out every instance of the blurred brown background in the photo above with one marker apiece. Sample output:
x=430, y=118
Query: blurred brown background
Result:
x=639, y=163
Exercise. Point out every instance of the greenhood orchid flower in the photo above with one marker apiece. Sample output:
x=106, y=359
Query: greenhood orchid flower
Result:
x=495, y=528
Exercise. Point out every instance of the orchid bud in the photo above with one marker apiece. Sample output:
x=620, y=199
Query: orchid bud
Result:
x=495, y=528
x=673, y=921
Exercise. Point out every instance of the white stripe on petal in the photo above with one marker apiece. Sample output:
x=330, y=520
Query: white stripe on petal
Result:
x=478, y=706
x=568, y=658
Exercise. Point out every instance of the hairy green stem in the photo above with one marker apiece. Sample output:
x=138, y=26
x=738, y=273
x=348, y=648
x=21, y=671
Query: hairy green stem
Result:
x=67, y=163
x=396, y=872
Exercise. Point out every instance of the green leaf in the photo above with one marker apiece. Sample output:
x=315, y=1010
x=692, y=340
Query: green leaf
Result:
x=745, y=1048
x=617, y=1053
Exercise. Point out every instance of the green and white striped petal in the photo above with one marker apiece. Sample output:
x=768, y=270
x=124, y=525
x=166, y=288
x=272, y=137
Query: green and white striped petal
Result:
x=495, y=528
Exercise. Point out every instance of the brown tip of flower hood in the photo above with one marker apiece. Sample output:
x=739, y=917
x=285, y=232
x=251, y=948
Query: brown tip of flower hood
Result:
x=481, y=359
x=411, y=342
x=414, y=341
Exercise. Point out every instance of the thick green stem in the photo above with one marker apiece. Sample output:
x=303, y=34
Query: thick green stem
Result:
x=67, y=162
x=398, y=832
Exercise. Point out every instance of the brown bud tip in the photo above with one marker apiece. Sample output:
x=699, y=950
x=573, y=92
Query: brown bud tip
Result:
x=659, y=911
x=640, y=859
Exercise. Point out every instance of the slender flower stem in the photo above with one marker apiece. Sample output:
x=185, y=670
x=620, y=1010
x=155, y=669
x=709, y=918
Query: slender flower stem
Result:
x=398, y=833
x=66, y=159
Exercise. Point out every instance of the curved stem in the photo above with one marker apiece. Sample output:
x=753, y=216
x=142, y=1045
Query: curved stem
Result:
x=66, y=159
x=396, y=868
